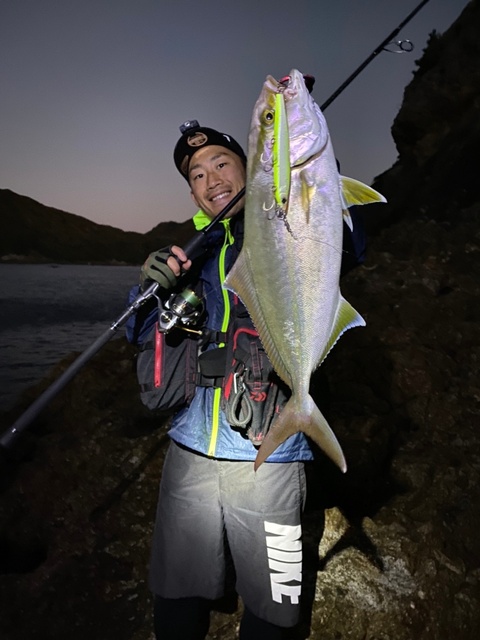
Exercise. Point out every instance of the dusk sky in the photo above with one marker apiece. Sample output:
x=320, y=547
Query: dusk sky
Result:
x=93, y=91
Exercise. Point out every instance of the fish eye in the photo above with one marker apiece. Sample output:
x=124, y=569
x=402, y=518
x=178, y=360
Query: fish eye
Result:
x=268, y=116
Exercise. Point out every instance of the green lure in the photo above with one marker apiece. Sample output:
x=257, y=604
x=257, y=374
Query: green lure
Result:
x=281, y=154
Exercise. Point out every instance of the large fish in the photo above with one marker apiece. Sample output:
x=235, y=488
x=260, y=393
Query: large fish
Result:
x=287, y=273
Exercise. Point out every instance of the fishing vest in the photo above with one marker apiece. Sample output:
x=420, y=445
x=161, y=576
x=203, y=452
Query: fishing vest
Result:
x=171, y=365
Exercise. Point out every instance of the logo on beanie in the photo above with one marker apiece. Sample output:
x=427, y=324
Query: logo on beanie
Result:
x=197, y=139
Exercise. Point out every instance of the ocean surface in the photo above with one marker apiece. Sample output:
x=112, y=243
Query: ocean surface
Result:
x=49, y=311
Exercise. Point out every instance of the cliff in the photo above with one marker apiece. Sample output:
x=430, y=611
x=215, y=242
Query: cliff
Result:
x=436, y=132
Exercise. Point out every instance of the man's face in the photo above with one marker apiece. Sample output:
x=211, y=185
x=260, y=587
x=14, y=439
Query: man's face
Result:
x=216, y=175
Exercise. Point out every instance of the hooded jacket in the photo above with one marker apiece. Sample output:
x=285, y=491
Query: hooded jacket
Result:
x=202, y=426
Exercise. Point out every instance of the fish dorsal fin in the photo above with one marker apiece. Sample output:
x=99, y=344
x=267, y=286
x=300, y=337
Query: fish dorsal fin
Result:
x=240, y=281
x=355, y=192
x=346, y=317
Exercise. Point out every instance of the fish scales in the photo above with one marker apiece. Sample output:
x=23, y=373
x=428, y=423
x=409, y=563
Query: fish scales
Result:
x=287, y=273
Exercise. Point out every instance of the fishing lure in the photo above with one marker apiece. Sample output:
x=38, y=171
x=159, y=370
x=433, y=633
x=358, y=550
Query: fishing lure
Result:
x=281, y=154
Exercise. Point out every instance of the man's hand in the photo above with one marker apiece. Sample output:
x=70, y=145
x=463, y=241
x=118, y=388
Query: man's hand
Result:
x=164, y=267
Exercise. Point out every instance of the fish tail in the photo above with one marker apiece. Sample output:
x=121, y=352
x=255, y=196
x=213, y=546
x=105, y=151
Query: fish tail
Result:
x=301, y=415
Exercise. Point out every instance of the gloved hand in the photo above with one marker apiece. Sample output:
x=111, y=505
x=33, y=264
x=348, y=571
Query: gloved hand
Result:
x=156, y=269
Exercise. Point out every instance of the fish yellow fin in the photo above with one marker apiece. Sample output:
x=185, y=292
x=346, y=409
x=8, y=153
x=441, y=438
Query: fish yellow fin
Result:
x=355, y=192
x=345, y=318
x=301, y=415
x=347, y=218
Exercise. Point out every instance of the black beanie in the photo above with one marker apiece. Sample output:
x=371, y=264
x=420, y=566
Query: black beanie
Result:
x=195, y=137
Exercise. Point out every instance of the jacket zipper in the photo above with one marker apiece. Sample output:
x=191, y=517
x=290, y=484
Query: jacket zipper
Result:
x=217, y=393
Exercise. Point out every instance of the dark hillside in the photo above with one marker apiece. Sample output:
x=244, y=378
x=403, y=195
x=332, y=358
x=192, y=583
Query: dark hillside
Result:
x=32, y=232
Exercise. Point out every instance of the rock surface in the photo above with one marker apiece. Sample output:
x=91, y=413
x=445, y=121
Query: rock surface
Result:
x=392, y=549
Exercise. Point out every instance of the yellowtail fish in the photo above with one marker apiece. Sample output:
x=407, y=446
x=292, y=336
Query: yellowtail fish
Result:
x=287, y=273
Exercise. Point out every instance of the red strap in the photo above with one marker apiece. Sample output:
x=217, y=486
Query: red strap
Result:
x=157, y=371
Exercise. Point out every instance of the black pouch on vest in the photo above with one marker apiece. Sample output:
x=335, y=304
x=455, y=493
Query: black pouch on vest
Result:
x=253, y=394
x=166, y=369
x=212, y=367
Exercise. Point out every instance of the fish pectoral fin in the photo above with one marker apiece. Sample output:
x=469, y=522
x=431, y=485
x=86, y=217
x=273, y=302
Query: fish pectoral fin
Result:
x=354, y=192
x=346, y=318
x=347, y=218
x=302, y=416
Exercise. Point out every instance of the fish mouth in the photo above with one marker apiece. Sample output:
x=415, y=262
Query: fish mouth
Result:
x=292, y=84
x=286, y=85
x=308, y=81
x=276, y=86
x=308, y=136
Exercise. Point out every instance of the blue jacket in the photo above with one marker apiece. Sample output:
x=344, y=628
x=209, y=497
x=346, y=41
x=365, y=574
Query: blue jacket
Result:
x=202, y=425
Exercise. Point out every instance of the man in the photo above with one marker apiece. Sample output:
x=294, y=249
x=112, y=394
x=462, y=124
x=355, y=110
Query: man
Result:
x=212, y=505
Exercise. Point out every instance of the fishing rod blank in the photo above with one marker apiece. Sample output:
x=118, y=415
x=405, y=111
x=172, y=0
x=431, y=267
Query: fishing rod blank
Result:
x=41, y=402
x=193, y=249
x=379, y=49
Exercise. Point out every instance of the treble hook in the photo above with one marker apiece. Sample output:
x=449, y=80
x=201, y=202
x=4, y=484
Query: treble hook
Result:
x=402, y=46
x=272, y=208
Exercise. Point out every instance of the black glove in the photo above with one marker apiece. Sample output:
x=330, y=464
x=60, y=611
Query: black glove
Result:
x=156, y=269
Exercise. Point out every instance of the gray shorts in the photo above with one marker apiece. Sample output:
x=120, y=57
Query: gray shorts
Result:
x=205, y=504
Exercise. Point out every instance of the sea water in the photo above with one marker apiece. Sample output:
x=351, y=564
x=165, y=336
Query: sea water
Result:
x=49, y=311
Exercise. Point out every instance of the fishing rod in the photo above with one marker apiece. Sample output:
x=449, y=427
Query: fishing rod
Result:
x=404, y=46
x=193, y=249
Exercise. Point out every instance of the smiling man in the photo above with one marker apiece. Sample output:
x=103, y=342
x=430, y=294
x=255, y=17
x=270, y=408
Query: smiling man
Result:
x=215, y=176
x=212, y=505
